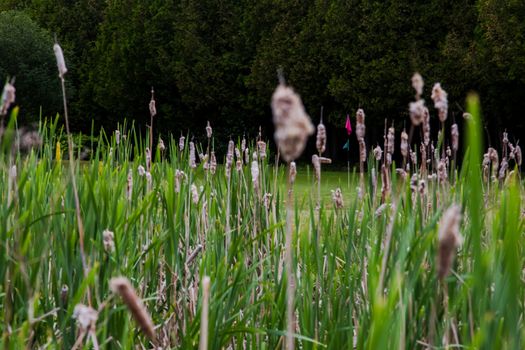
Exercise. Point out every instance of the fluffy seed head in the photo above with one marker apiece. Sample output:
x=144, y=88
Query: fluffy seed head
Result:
x=179, y=176
x=261, y=146
x=439, y=96
x=390, y=141
x=293, y=172
x=182, y=143
x=209, y=130
x=360, y=128
x=86, y=317
x=404, y=143
x=152, y=104
x=194, y=194
x=255, y=175
x=449, y=239
x=321, y=138
x=417, y=111
x=417, y=84
x=213, y=162
x=193, y=163
x=267, y=200
x=292, y=124
x=108, y=239
x=8, y=98
x=442, y=171
x=61, y=63
x=378, y=153
x=426, y=126
x=337, y=198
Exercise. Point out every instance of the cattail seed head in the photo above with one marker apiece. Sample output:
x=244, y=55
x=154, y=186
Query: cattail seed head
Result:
x=292, y=124
x=179, y=176
x=261, y=146
x=213, y=163
x=449, y=239
x=360, y=128
x=122, y=286
x=238, y=154
x=267, y=200
x=422, y=187
x=439, y=96
x=417, y=84
x=337, y=198
x=182, y=143
x=414, y=183
x=378, y=153
x=503, y=169
x=517, y=153
x=247, y=155
x=147, y=155
x=293, y=172
x=255, y=175
x=117, y=137
x=317, y=166
x=194, y=194
x=390, y=141
x=404, y=144
x=64, y=293
x=8, y=98
x=209, y=131
x=362, y=150
x=417, y=112
x=426, y=126
x=108, y=240
x=321, y=138
x=193, y=163
x=454, y=135
x=129, y=190
x=86, y=317
x=442, y=171
x=243, y=144
x=152, y=104
x=61, y=63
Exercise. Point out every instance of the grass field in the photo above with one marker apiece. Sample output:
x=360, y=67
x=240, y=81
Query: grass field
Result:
x=374, y=274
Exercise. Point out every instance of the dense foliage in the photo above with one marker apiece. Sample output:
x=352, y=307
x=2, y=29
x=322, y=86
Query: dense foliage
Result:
x=25, y=55
x=217, y=60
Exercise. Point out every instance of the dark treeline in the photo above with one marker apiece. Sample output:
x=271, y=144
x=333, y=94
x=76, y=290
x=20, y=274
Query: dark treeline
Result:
x=217, y=60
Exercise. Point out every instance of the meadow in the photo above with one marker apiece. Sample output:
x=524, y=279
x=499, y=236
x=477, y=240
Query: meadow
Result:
x=368, y=273
x=150, y=243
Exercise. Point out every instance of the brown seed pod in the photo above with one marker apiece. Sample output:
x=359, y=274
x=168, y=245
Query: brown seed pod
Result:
x=449, y=239
x=122, y=286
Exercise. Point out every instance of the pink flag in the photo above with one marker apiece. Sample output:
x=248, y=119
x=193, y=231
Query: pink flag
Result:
x=348, y=125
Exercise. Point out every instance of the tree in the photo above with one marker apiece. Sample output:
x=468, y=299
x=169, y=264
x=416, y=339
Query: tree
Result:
x=26, y=52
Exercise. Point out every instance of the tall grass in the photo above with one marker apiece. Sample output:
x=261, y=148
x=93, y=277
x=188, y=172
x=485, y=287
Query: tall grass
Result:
x=370, y=280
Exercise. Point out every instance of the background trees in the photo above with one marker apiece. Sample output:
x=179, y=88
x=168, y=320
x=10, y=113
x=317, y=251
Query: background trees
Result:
x=217, y=60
